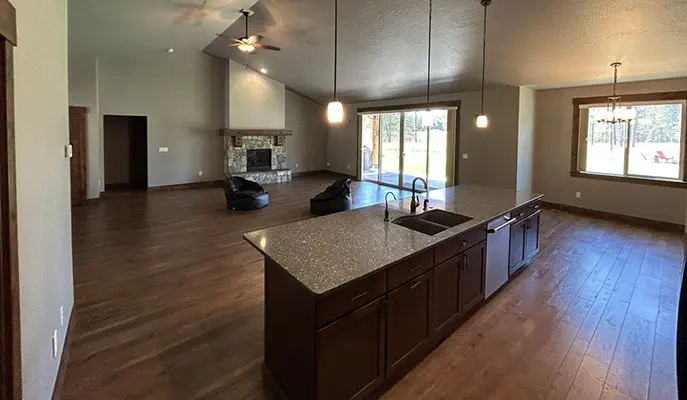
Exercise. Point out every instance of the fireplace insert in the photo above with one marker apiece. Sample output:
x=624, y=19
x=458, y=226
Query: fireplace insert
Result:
x=259, y=160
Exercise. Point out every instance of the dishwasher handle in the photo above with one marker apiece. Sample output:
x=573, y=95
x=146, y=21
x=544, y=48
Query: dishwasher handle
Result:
x=509, y=221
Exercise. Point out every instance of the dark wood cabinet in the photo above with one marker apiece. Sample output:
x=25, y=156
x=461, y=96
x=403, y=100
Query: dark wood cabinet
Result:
x=532, y=236
x=446, y=303
x=517, y=245
x=472, y=277
x=408, y=321
x=350, y=354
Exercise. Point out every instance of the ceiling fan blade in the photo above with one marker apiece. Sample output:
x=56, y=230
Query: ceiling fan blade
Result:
x=267, y=47
x=234, y=45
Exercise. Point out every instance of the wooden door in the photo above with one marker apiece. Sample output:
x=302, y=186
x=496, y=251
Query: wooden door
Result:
x=446, y=302
x=517, y=245
x=10, y=357
x=532, y=236
x=472, y=277
x=77, y=164
x=350, y=354
x=408, y=321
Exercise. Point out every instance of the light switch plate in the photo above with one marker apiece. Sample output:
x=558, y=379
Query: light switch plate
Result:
x=163, y=149
x=54, y=344
x=68, y=151
x=465, y=156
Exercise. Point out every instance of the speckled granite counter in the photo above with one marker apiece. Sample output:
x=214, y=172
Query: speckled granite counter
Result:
x=328, y=252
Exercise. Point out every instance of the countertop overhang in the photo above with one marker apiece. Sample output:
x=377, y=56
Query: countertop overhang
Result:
x=329, y=252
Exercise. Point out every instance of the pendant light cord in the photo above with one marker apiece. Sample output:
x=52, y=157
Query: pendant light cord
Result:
x=429, y=53
x=484, y=52
x=336, y=40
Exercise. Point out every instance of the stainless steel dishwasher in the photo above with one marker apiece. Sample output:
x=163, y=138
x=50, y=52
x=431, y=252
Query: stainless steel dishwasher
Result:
x=498, y=251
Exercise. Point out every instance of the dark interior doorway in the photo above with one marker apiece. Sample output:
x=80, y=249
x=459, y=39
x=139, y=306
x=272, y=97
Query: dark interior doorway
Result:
x=126, y=152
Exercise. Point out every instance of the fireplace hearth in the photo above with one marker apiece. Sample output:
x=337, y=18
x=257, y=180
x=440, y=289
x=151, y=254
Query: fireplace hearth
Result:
x=258, y=159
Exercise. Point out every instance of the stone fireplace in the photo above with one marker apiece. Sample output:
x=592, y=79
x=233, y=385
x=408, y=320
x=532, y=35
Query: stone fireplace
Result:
x=258, y=155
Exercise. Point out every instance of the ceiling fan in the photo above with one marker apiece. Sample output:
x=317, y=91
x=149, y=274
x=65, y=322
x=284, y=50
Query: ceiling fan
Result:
x=248, y=44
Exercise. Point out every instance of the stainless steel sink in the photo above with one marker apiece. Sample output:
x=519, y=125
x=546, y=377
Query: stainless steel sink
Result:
x=431, y=222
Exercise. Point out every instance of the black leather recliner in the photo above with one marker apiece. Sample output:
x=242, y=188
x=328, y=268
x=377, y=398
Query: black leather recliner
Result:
x=244, y=195
x=336, y=198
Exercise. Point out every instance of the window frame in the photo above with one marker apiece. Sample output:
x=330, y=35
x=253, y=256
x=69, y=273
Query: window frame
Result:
x=656, y=98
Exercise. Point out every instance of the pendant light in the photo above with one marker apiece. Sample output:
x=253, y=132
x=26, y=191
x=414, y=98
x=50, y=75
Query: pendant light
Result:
x=427, y=118
x=482, y=120
x=335, y=111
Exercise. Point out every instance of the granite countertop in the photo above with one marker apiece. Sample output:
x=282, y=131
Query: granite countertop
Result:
x=328, y=252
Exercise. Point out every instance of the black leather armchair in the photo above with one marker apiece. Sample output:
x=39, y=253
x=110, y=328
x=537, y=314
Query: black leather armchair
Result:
x=336, y=198
x=244, y=195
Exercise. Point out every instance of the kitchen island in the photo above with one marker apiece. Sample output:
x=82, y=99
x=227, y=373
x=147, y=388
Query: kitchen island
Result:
x=353, y=302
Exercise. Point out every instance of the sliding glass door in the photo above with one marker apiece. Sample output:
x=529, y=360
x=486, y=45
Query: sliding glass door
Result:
x=397, y=148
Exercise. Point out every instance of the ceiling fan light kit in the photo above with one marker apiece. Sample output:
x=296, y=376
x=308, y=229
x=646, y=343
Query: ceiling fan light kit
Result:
x=335, y=111
x=482, y=121
x=248, y=44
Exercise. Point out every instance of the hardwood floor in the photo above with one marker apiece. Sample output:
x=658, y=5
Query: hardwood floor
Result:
x=169, y=305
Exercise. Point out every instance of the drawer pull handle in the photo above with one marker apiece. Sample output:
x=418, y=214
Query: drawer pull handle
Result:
x=416, y=268
x=536, y=206
x=360, y=296
x=416, y=284
x=464, y=243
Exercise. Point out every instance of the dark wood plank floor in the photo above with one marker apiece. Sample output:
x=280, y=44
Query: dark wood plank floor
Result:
x=169, y=305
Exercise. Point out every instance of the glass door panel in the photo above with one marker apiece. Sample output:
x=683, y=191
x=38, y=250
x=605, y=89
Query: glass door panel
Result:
x=370, y=148
x=414, y=148
x=390, y=133
x=438, y=145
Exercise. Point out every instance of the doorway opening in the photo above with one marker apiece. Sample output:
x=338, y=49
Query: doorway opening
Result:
x=397, y=145
x=125, y=141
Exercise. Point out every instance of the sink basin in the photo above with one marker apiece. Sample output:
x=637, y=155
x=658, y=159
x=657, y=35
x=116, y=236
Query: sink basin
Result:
x=431, y=222
x=419, y=225
x=445, y=218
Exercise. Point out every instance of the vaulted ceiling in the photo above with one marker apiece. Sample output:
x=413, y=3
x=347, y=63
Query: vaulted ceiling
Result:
x=383, y=44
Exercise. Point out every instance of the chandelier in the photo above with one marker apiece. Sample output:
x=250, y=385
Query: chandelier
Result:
x=615, y=111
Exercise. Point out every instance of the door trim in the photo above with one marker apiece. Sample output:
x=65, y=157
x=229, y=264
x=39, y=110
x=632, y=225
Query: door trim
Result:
x=10, y=367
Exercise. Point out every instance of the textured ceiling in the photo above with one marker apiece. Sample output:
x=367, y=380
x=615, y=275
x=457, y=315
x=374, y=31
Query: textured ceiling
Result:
x=383, y=44
x=125, y=27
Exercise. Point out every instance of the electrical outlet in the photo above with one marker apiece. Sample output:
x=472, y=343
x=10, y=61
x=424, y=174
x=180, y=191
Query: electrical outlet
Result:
x=296, y=165
x=329, y=164
x=54, y=344
x=163, y=149
x=61, y=315
x=348, y=167
x=68, y=151
x=578, y=195
x=465, y=156
x=200, y=173
x=100, y=185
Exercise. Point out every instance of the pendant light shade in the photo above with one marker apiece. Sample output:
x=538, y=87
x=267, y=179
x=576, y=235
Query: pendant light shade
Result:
x=482, y=120
x=335, y=113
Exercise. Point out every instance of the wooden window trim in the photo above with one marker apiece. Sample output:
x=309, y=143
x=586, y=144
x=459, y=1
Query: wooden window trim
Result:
x=642, y=97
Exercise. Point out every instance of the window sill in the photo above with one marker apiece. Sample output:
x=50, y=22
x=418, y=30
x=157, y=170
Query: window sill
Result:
x=630, y=179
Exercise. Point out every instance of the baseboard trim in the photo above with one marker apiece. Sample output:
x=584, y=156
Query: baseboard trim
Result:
x=117, y=186
x=182, y=186
x=635, y=221
x=64, y=360
x=322, y=172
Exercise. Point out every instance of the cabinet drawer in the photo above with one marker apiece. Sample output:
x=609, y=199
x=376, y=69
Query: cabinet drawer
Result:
x=348, y=298
x=459, y=244
x=410, y=268
x=526, y=211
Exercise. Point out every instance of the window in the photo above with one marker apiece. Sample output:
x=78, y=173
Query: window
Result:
x=649, y=149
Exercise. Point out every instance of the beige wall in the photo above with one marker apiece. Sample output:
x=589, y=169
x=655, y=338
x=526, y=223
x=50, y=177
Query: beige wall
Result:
x=307, y=147
x=492, y=152
x=552, y=159
x=43, y=197
x=255, y=101
x=116, y=140
x=526, y=122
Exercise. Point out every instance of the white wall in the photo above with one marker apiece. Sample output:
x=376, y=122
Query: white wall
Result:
x=306, y=149
x=182, y=96
x=527, y=118
x=43, y=198
x=492, y=152
x=255, y=100
x=552, y=159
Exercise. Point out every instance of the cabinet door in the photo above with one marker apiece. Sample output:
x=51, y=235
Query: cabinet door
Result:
x=472, y=277
x=350, y=354
x=408, y=321
x=517, y=244
x=532, y=236
x=446, y=306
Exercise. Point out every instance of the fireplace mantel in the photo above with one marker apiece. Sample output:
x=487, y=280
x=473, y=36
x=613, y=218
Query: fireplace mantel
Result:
x=255, y=132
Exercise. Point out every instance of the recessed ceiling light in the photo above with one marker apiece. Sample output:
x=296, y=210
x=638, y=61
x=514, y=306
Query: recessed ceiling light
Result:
x=169, y=50
x=263, y=70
